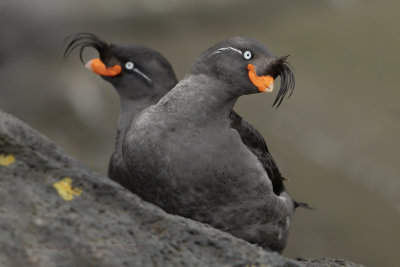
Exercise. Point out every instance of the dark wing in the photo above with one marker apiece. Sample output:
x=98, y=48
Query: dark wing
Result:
x=256, y=143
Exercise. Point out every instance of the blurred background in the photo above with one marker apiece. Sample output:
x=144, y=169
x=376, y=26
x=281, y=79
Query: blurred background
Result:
x=336, y=138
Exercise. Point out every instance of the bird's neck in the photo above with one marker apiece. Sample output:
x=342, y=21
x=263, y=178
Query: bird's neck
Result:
x=203, y=99
x=130, y=108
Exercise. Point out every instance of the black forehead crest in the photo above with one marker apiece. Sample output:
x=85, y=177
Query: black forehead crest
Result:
x=81, y=41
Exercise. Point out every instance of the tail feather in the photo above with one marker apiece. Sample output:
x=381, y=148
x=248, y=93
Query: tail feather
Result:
x=302, y=205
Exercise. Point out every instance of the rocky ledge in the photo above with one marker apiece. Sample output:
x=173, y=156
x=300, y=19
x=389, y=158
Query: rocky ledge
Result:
x=56, y=212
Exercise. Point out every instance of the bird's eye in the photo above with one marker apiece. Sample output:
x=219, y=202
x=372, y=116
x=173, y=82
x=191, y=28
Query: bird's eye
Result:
x=129, y=65
x=247, y=55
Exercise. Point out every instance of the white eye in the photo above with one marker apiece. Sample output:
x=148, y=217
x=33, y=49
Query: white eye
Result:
x=247, y=55
x=129, y=65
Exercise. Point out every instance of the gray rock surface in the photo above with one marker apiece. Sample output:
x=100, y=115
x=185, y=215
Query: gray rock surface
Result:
x=88, y=220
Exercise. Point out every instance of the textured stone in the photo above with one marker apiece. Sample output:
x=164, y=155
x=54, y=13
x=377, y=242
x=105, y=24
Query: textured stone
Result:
x=56, y=212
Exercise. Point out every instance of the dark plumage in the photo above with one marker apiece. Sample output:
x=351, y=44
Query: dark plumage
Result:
x=135, y=91
x=117, y=170
x=189, y=161
x=256, y=143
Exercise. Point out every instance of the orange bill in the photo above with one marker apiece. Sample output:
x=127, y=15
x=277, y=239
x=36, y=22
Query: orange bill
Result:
x=263, y=83
x=98, y=67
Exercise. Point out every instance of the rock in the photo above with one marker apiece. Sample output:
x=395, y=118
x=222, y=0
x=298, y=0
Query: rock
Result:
x=56, y=212
x=325, y=262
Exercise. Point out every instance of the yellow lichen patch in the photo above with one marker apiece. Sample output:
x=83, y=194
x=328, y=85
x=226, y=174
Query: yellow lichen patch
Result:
x=6, y=160
x=65, y=190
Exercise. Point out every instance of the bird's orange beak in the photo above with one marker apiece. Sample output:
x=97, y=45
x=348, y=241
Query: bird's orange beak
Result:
x=265, y=84
x=98, y=67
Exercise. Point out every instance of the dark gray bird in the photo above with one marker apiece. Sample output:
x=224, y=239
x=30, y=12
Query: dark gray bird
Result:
x=150, y=79
x=189, y=161
x=140, y=75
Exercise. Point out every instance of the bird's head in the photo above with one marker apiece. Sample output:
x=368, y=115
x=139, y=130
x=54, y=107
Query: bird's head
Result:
x=134, y=71
x=247, y=66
